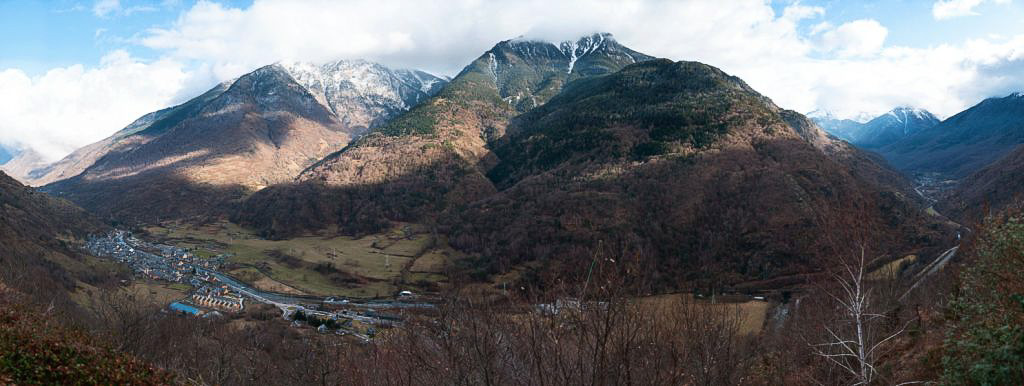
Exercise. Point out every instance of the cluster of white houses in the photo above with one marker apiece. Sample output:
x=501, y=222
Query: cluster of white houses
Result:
x=219, y=298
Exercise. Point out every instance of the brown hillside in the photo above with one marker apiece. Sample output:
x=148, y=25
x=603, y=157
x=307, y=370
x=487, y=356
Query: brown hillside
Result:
x=690, y=172
x=992, y=189
x=262, y=130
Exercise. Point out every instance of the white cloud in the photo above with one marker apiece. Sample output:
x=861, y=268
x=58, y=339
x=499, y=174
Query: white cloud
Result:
x=855, y=38
x=105, y=8
x=948, y=9
x=102, y=8
x=442, y=36
x=72, y=106
x=797, y=12
x=944, y=79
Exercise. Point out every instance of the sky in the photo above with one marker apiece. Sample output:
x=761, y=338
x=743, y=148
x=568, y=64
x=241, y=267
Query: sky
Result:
x=73, y=72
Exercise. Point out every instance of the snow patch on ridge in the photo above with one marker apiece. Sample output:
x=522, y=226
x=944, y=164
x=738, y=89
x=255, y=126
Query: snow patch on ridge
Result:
x=574, y=50
x=493, y=64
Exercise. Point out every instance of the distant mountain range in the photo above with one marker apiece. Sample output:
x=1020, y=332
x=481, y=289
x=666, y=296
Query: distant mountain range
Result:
x=992, y=130
x=980, y=146
x=965, y=142
x=845, y=129
x=880, y=131
x=22, y=163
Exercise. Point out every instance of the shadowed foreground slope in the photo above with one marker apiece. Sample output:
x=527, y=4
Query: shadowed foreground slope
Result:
x=39, y=349
x=40, y=266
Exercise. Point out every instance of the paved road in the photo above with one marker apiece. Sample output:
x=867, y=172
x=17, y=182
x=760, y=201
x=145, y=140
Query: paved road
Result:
x=277, y=298
x=932, y=268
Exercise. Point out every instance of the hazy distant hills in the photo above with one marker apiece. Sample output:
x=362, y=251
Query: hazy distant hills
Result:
x=22, y=163
x=842, y=128
x=885, y=129
x=980, y=146
x=965, y=142
x=261, y=129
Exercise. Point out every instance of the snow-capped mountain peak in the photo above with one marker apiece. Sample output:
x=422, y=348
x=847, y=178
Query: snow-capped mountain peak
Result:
x=825, y=114
x=574, y=49
x=908, y=116
x=905, y=113
x=872, y=132
x=362, y=93
x=527, y=71
x=570, y=52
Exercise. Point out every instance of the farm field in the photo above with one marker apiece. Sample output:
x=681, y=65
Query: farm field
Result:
x=753, y=312
x=366, y=267
x=892, y=269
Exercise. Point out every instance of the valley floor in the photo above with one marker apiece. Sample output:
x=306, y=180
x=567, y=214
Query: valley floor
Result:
x=375, y=266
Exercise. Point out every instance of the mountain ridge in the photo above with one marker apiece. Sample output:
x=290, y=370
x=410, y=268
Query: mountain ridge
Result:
x=656, y=163
x=879, y=131
x=963, y=143
x=262, y=128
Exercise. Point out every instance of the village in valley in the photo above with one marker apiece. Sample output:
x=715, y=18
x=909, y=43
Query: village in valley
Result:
x=213, y=293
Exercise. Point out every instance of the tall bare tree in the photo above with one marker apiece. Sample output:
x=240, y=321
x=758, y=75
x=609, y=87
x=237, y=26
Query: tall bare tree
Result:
x=854, y=339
